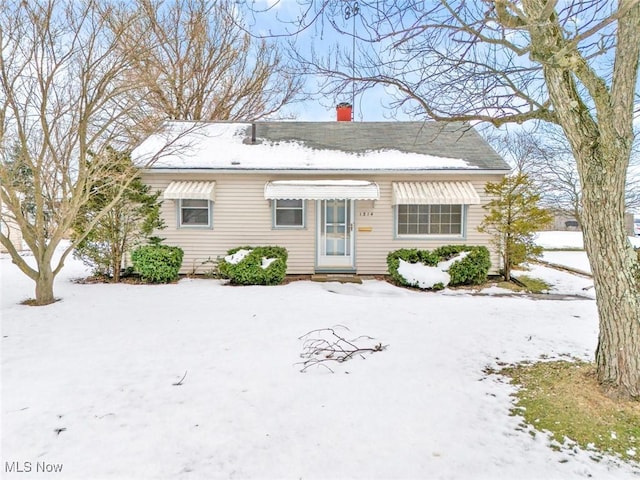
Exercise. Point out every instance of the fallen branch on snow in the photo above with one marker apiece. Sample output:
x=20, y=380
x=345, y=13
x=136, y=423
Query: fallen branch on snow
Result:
x=324, y=345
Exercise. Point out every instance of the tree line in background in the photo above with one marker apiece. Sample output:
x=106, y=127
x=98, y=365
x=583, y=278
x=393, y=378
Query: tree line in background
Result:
x=543, y=154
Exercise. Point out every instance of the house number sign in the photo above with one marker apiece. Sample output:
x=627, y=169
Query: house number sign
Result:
x=366, y=213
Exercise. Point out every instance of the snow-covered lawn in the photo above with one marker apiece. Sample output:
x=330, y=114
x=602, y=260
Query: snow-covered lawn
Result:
x=572, y=259
x=565, y=240
x=560, y=240
x=562, y=282
x=88, y=382
x=569, y=240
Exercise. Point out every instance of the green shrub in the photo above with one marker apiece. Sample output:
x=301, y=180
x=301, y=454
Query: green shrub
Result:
x=409, y=255
x=157, y=263
x=249, y=270
x=471, y=270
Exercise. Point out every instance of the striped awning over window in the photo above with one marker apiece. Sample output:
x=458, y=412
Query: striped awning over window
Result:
x=190, y=190
x=321, y=190
x=434, y=193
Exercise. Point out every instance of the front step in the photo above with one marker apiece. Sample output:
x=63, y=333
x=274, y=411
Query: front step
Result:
x=336, y=277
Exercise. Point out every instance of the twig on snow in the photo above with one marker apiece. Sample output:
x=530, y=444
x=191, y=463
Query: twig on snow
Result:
x=177, y=384
x=333, y=347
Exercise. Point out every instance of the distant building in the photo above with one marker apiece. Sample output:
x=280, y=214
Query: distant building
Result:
x=565, y=222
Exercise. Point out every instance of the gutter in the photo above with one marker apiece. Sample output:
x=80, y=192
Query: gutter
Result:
x=470, y=171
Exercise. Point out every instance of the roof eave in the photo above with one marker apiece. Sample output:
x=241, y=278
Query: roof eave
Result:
x=376, y=171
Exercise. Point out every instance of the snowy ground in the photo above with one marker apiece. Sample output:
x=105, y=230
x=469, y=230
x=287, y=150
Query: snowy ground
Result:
x=569, y=240
x=560, y=240
x=88, y=382
x=576, y=260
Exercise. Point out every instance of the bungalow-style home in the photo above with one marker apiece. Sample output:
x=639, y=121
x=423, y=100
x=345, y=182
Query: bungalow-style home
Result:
x=339, y=196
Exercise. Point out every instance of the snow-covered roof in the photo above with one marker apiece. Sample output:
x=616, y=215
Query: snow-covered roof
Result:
x=317, y=146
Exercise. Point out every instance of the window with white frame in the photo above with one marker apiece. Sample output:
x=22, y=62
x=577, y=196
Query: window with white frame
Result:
x=420, y=220
x=288, y=213
x=194, y=213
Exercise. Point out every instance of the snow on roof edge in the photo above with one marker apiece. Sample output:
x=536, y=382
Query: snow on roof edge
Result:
x=197, y=145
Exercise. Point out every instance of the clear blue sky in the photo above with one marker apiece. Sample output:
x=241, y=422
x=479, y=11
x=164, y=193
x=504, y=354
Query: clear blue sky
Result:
x=275, y=17
x=272, y=17
x=368, y=107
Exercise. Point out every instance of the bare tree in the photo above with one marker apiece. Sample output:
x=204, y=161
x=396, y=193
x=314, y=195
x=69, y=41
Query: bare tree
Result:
x=201, y=65
x=545, y=156
x=65, y=97
x=574, y=64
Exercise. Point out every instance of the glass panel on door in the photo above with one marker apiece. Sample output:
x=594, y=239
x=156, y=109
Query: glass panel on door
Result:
x=336, y=228
x=335, y=239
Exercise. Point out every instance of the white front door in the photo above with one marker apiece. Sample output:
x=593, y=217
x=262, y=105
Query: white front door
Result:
x=335, y=245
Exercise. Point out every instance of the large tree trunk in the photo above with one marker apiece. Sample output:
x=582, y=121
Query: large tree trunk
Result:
x=44, y=285
x=599, y=128
x=615, y=273
x=602, y=157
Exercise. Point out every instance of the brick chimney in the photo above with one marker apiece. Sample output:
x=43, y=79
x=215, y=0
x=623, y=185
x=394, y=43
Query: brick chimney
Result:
x=343, y=112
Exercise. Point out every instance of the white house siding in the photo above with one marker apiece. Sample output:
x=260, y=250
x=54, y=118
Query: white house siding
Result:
x=241, y=216
x=11, y=229
x=373, y=246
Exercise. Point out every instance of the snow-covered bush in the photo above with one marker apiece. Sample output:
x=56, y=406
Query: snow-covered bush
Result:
x=157, y=263
x=254, y=265
x=423, y=276
x=448, y=265
x=411, y=256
